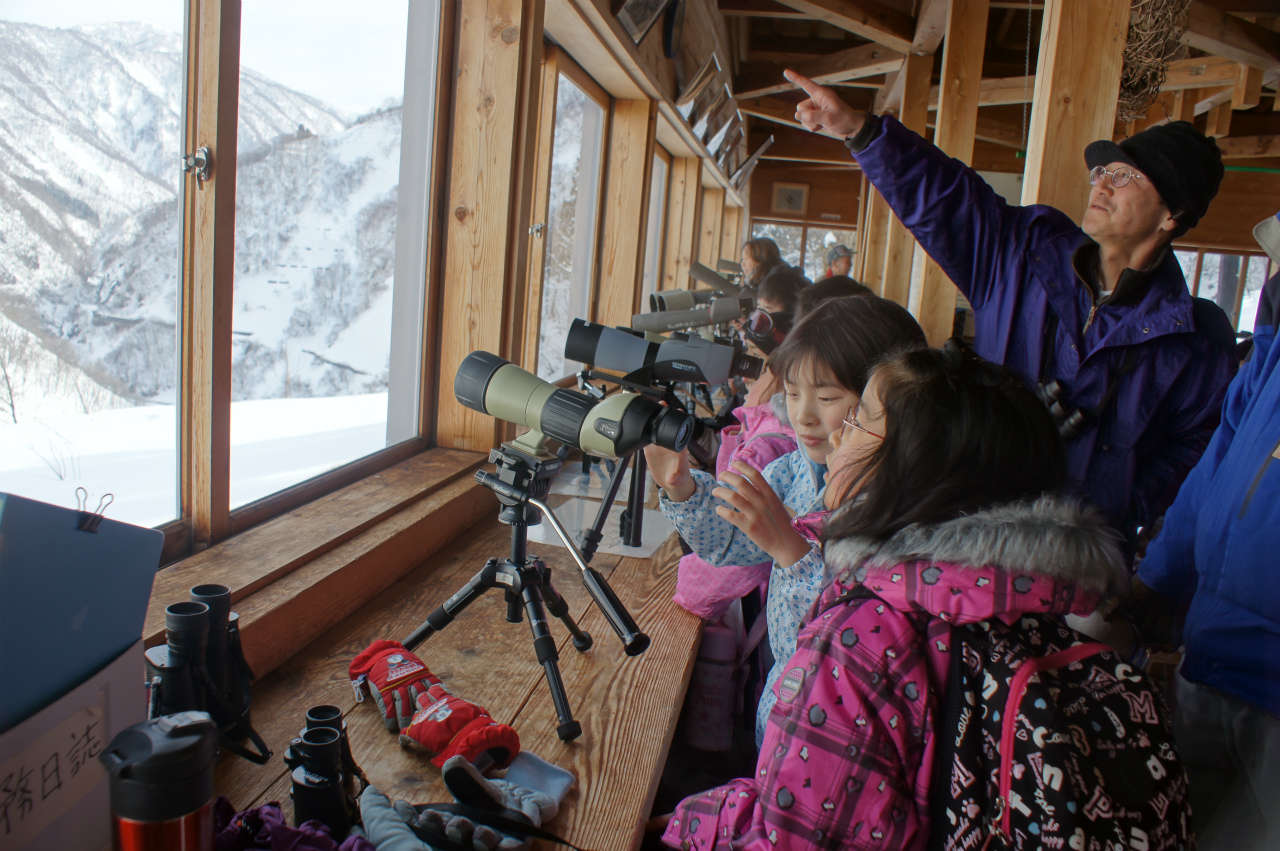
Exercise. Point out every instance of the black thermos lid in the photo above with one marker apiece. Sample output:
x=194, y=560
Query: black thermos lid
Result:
x=162, y=769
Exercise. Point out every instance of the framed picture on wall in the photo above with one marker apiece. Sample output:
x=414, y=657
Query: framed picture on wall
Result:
x=638, y=16
x=790, y=198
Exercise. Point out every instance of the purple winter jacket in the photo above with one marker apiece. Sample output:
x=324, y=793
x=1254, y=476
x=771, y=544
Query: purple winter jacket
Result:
x=1169, y=357
x=848, y=750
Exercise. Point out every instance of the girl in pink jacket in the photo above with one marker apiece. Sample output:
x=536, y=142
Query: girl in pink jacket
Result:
x=941, y=480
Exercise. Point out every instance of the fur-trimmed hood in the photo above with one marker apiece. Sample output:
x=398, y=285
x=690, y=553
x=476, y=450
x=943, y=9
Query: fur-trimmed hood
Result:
x=1052, y=554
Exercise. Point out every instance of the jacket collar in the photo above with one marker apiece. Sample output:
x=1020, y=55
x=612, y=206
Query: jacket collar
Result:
x=1049, y=555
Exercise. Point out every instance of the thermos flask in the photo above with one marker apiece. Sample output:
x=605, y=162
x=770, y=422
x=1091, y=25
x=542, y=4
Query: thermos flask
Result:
x=162, y=783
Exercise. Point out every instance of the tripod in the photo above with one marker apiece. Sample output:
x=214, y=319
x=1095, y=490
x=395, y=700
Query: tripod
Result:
x=523, y=476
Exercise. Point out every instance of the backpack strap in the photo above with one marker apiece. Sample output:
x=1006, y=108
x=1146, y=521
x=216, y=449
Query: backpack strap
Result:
x=1017, y=688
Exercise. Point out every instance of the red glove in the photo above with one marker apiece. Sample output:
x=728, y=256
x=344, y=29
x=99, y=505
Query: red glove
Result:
x=394, y=678
x=446, y=725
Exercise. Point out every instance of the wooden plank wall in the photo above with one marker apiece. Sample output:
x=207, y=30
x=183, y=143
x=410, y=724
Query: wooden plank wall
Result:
x=833, y=192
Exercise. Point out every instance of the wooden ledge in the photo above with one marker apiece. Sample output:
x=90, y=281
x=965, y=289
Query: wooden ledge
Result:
x=298, y=574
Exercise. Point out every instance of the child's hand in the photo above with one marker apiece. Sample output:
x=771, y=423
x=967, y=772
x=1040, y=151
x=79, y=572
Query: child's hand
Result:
x=754, y=508
x=671, y=471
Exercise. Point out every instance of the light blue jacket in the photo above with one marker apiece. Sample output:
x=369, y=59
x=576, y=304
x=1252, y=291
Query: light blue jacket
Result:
x=798, y=482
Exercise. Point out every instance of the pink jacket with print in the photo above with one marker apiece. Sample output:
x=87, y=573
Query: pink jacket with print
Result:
x=848, y=749
x=762, y=436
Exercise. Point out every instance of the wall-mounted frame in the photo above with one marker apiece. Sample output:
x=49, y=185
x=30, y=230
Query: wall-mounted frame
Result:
x=790, y=198
x=638, y=16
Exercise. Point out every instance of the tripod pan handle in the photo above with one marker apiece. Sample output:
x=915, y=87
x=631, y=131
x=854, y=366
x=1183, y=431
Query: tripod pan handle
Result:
x=634, y=642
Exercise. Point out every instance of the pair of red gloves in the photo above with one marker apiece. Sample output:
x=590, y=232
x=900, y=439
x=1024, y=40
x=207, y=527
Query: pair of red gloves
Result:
x=428, y=718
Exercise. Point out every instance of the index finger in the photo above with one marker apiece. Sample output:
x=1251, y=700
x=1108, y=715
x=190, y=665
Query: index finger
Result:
x=797, y=79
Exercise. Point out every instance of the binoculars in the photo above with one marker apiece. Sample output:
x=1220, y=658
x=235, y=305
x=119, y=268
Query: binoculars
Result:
x=201, y=667
x=323, y=773
x=1068, y=420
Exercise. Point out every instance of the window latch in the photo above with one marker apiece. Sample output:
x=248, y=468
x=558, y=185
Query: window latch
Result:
x=536, y=230
x=201, y=162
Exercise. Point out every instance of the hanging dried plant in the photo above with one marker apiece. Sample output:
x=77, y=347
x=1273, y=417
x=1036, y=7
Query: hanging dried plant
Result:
x=1155, y=36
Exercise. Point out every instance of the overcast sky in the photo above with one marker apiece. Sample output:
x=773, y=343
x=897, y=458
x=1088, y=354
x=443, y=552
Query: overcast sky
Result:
x=347, y=54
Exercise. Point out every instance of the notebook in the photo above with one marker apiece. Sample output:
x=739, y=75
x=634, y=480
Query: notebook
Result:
x=74, y=588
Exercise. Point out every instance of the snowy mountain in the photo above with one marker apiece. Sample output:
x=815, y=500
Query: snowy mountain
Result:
x=89, y=225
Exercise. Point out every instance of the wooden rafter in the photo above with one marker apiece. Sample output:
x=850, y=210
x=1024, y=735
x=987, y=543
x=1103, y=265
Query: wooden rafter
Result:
x=760, y=9
x=997, y=91
x=1249, y=147
x=1214, y=31
x=801, y=146
x=775, y=109
x=863, y=61
x=865, y=18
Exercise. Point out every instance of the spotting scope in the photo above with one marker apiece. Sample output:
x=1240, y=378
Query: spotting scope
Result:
x=608, y=428
x=679, y=299
x=721, y=310
x=677, y=358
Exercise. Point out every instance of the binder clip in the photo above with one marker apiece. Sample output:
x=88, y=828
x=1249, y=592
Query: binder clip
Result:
x=88, y=521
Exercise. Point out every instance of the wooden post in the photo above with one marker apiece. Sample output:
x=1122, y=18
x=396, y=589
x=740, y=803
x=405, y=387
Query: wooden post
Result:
x=899, y=244
x=683, y=216
x=626, y=200
x=1077, y=86
x=209, y=220
x=935, y=299
x=731, y=233
x=709, y=228
x=1217, y=122
x=878, y=216
x=495, y=112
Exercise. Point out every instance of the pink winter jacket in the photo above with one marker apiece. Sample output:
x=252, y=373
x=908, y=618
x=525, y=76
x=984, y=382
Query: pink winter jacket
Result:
x=848, y=749
x=762, y=435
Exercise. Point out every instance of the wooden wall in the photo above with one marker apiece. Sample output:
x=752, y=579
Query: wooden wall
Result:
x=833, y=191
x=1244, y=199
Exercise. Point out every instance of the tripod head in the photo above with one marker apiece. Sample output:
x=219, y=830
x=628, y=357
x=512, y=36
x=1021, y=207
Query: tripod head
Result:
x=522, y=478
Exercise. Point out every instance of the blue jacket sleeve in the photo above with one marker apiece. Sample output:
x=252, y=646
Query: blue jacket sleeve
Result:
x=1169, y=566
x=964, y=225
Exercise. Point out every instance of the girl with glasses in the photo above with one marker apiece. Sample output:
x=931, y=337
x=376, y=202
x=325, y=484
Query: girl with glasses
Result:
x=745, y=517
x=942, y=484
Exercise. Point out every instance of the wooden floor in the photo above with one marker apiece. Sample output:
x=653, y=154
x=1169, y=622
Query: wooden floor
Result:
x=628, y=706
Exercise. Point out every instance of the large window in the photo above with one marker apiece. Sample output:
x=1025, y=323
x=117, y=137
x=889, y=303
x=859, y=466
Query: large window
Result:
x=89, y=258
x=1232, y=281
x=656, y=227
x=572, y=219
x=804, y=245
x=329, y=269
x=117, y=303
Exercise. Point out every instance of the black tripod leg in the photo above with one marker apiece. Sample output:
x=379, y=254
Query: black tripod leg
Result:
x=485, y=579
x=633, y=523
x=545, y=648
x=560, y=609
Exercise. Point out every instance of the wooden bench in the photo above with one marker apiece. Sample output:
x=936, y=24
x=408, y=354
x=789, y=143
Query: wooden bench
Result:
x=627, y=706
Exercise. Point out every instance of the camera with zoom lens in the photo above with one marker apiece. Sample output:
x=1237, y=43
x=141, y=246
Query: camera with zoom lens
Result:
x=320, y=785
x=679, y=357
x=201, y=667
x=607, y=428
x=1069, y=420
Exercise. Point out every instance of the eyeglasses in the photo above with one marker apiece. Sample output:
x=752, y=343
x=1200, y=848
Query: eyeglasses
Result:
x=1120, y=177
x=851, y=421
x=759, y=321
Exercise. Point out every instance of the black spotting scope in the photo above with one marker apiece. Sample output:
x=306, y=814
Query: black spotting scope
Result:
x=608, y=428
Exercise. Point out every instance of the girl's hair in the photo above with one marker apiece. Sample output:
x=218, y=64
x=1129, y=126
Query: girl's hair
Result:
x=782, y=289
x=764, y=252
x=961, y=434
x=833, y=287
x=850, y=335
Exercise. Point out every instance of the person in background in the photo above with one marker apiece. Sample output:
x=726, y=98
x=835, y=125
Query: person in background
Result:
x=760, y=260
x=839, y=261
x=1098, y=314
x=1215, y=556
x=938, y=484
x=745, y=517
x=833, y=287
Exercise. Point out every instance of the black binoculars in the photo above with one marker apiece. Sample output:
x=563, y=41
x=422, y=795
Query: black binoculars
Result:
x=1068, y=420
x=323, y=773
x=201, y=667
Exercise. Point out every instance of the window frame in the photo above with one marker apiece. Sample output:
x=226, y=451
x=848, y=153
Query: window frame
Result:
x=210, y=99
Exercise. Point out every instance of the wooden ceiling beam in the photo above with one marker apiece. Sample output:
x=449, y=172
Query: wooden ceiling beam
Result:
x=996, y=91
x=802, y=146
x=1199, y=73
x=931, y=26
x=865, y=18
x=775, y=109
x=760, y=9
x=863, y=61
x=1214, y=31
x=1249, y=147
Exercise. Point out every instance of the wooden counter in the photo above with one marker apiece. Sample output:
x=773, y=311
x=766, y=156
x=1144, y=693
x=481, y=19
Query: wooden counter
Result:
x=627, y=706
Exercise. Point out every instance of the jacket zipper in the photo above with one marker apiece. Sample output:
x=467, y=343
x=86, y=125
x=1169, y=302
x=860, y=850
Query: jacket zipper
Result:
x=1253, y=487
x=1092, y=310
